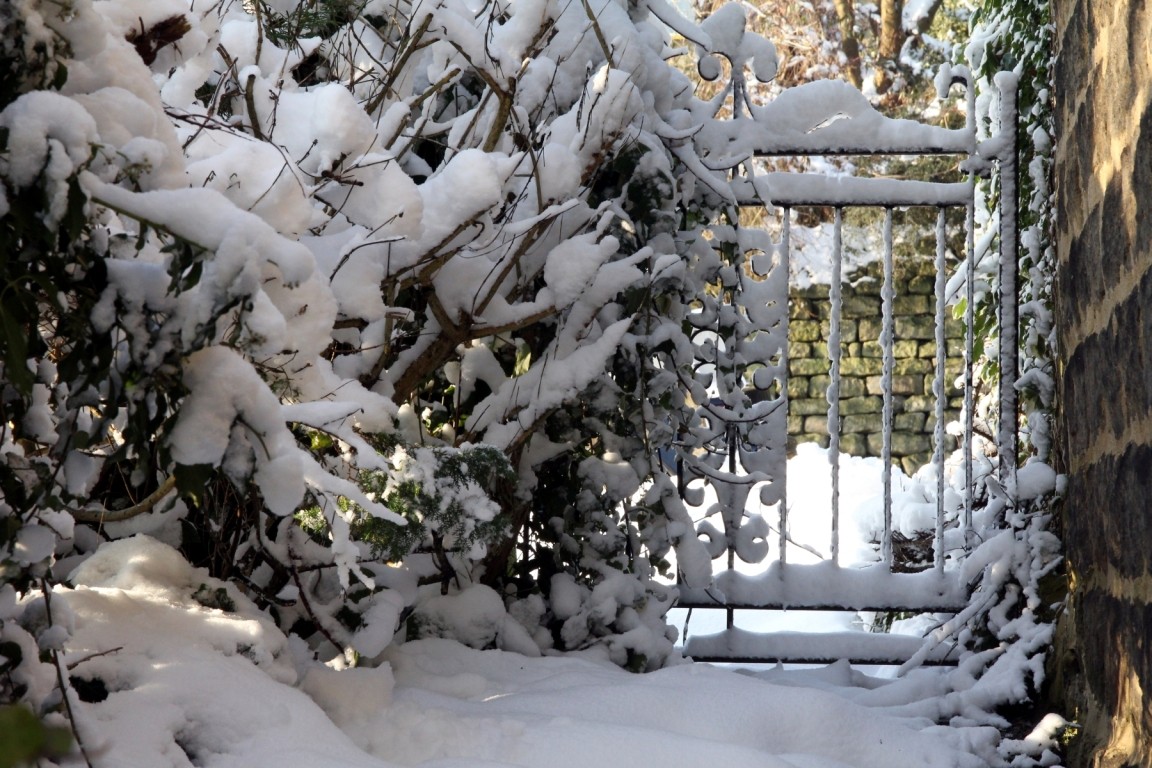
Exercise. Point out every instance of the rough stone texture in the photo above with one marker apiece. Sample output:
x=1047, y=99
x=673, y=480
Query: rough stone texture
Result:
x=861, y=390
x=1103, y=89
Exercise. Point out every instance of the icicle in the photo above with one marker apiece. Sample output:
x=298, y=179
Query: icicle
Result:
x=887, y=337
x=834, y=374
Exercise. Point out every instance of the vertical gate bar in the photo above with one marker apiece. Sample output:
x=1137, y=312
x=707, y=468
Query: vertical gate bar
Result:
x=969, y=359
x=970, y=320
x=731, y=440
x=786, y=265
x=939, y=386
x=834, y=375
x=887, y=343
x=1006, y=84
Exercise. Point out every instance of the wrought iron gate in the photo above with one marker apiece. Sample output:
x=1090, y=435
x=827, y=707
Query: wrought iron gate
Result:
x=743, y=356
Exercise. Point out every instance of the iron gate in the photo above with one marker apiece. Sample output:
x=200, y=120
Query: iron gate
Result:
x=743, y=355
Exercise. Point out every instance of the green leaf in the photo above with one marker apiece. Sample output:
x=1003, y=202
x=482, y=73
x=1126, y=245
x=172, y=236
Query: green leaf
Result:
x=192, y=479
x=25, y=739
x=320, y=441
x=523, y=360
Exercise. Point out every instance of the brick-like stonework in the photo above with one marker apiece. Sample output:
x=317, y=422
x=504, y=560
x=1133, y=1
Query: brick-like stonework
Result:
x=1103, y=92
x=861, y=390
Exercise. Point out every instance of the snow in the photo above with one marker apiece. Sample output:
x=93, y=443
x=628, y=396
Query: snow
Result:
x=305, y=203
x=831, y=115
x=796, y=585
x=192, y=684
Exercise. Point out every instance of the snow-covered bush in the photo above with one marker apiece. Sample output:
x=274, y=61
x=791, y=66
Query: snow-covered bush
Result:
x=294, y=286
x=1015, y=569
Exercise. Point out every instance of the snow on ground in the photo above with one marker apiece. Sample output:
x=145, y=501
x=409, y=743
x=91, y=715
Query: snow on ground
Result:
x=194, y=685
x=197, y=676
x=810, y=529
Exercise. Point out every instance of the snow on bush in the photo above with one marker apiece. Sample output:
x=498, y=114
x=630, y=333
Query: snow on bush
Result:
x=279, y=272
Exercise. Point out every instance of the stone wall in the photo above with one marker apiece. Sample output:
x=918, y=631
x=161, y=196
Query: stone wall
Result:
x=861, y=391
x=1103, y=91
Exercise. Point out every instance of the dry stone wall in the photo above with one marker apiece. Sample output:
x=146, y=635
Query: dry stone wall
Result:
x=861, y=385
x=1103, y=91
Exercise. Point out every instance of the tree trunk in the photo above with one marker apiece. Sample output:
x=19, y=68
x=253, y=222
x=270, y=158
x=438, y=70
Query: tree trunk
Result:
x=891, y=41
x=846, y=21
x=923, y=22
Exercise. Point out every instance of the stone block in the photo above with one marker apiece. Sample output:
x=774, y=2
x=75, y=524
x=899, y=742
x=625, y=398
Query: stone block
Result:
x=910, y=443
x=912, y=366
x=807, y=367
x=861, y=366
x=801, y=307
x=861, y=424
x=913, y=305
x=911, y=464
x=860, y=306
x=797, y=387
x=901, y=385
x=919, y=404
x=804, y=330
x=816, y=425
x=849, y=330
x=820, y=439
x=909, y=422
x=856, y=445
x=922, y=285
x=920, y=328
x=849, y=386
x=858, y=405
x=808, y=406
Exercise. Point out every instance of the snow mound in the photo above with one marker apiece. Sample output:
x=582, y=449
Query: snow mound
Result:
x=178, y=672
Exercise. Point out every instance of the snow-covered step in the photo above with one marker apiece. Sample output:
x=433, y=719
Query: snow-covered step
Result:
x=826, y=586
x=742, y=646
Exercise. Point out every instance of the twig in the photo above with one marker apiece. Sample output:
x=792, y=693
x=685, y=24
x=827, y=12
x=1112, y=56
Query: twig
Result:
x=599, y=33
x=398, y=67
x=117, y=515
x=91, y=656
x=46, y=590
x=307, y=604
x=250, y=103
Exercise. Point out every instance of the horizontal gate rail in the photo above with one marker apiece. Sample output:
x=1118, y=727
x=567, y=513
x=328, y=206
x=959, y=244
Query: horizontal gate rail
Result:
x=740, y=646
x=796, y=586
x=793, y=190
